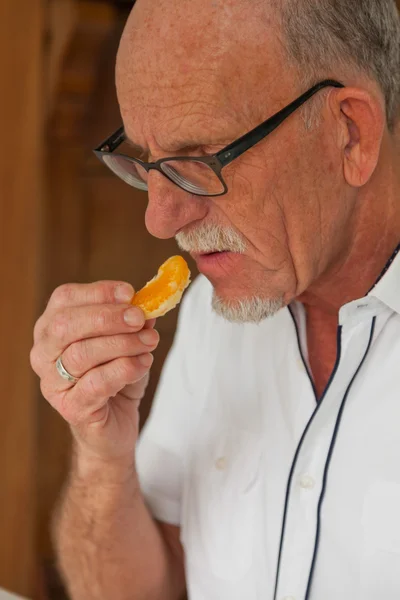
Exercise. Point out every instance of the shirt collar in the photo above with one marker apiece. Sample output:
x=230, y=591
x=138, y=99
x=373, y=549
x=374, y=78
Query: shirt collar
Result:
x=387, y=287
x=384, y=296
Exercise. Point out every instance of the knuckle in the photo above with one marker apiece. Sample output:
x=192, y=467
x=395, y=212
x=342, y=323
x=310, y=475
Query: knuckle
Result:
x=63, y=294
x=35, y=360
x=38, y=329
x=140, y=386
x=105, y=381
x=60, y=325
x=102, y=291
x=96, y=384
x=76, y=356
x=121, y=343
x=116, y=343
x=102, y=319
x=128, y=369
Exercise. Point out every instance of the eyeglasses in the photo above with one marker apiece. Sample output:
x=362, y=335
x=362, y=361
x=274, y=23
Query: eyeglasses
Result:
x=200, y=176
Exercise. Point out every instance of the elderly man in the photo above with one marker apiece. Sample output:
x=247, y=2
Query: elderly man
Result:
x=269, y=468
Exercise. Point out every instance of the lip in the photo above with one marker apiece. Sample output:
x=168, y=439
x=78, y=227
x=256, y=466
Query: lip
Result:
x=217, y=263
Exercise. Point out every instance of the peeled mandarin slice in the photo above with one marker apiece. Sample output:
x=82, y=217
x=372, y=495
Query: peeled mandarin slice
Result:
x=165, y=290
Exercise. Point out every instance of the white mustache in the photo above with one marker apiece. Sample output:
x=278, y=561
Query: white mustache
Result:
x=209, y=238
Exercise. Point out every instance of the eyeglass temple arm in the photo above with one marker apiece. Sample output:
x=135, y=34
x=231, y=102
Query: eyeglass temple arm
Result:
x=229, y=153
x=111, y=143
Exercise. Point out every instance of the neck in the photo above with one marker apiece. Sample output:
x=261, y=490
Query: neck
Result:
x=374, y=236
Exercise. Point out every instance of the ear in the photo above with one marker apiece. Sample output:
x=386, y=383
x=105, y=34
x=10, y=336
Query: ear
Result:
x=361, y=119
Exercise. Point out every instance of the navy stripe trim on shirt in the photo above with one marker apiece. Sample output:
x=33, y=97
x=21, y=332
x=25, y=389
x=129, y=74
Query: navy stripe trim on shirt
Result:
x=339, y=332
x=328, y=461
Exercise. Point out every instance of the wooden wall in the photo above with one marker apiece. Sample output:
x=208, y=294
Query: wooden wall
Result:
x=20, y=236
x=94, y=223
x=65, y=219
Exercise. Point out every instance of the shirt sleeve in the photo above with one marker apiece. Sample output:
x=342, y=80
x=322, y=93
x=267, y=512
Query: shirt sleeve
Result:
x=163, y=443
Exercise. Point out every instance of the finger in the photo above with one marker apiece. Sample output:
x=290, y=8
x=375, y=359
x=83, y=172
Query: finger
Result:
x=82, y=356
x=92, y=392
x=86, y=294
x=135, y=391
x=150, y=323
x=72, y=324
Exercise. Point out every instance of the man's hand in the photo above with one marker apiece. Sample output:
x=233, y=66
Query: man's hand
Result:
x=84, y=323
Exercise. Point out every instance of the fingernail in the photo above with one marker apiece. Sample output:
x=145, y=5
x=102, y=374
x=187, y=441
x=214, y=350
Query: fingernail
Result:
x=148, y=336
x=134, y=317
x=124, y=292
x=146, y=359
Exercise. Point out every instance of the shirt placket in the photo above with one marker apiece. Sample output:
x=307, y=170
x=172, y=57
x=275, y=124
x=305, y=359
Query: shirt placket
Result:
x=309, y=477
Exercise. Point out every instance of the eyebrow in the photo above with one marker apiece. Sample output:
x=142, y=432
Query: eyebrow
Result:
x=179, y=145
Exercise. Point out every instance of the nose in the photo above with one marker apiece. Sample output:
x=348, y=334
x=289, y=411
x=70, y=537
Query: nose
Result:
x=170, y=208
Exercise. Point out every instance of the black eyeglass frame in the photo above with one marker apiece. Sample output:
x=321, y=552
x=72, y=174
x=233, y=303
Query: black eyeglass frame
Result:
x=225, y=156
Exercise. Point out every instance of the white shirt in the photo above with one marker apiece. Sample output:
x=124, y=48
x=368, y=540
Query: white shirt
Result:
x=279, y=497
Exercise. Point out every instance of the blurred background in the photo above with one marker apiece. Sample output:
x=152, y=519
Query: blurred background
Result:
x=63, y=218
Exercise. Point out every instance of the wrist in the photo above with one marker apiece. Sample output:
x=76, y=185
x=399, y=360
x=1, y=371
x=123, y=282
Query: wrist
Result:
x=98, y=470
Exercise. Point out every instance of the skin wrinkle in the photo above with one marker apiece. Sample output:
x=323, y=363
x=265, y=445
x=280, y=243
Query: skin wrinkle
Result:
x=189, y=114
x=297, y=179
x=173, y=146
x=286, y=240
x=219, y=122
x=197, y=69
x=275, y=238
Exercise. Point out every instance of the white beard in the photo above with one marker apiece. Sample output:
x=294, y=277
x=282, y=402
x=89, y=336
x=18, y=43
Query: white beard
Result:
x=252, y=310
x=210, y=238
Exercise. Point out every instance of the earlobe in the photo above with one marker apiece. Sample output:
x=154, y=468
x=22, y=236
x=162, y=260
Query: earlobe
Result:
x=362, y=122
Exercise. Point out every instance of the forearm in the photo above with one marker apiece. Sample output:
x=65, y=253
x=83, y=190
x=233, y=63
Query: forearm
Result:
x=107, y=543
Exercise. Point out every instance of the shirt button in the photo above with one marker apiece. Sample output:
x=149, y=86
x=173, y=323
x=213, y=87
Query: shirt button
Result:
x=220, y=463
x=307, y=482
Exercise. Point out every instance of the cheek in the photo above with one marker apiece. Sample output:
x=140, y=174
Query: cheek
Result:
x=254, y=208
x=310, y=186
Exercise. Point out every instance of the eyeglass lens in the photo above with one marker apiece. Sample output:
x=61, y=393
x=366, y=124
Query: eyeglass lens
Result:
x=193, y=176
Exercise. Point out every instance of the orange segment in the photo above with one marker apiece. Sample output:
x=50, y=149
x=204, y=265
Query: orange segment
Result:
x=165, y=290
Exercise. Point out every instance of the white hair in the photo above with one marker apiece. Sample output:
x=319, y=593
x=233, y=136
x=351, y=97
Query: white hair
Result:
x=323, y=36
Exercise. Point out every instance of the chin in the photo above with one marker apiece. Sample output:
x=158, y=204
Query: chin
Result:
x=246, y=310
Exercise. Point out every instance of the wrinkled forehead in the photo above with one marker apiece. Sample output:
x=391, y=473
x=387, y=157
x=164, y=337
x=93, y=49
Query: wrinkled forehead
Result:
x=187, y=68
